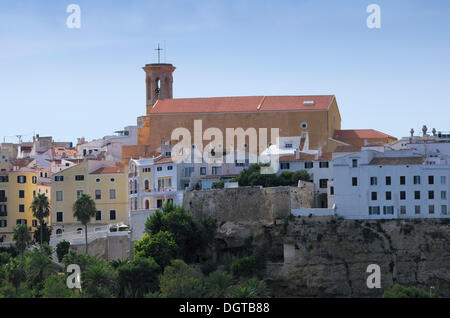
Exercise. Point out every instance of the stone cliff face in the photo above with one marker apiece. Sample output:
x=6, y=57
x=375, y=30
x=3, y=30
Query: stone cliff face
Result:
x=325, y=256
x=328, y=257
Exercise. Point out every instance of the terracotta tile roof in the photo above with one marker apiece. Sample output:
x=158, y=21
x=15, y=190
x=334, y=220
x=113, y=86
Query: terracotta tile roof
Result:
x=109, y=170
x=349, y=148
x=394, y=161
x=241, y=104
x=360, y=134
x=24, y=162
x=164, y=160
x=326, y=156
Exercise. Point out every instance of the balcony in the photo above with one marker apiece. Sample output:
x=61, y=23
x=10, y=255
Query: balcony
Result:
x=3, y=199
x=3, y=213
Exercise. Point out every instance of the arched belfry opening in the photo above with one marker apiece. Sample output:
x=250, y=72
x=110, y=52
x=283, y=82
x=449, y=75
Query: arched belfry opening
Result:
x=159, y=82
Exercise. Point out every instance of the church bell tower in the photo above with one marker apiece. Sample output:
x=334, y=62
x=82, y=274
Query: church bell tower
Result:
x=158, y=79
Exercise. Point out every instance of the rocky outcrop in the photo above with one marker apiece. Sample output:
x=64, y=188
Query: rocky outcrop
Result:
x=328, y=257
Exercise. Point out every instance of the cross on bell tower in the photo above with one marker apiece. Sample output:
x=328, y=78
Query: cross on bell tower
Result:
x=159, y=53
x=158, y=79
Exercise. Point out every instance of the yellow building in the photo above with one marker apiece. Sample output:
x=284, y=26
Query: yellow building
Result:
x=17, y=192
x=105, y=183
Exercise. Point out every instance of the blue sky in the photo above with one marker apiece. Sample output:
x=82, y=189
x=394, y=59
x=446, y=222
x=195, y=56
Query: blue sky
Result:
x=88, y=82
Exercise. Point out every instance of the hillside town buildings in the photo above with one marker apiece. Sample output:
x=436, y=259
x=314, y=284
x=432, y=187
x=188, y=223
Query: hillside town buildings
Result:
x=356, y=173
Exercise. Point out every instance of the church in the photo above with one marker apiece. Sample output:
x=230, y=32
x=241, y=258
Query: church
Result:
x=317, y=115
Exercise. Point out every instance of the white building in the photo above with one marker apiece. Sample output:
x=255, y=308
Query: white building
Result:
x=392, y=184
x=109, y=147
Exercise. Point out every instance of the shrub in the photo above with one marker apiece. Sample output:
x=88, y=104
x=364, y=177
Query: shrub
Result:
x=181, y=281
x=399, y=291
x=248, y=266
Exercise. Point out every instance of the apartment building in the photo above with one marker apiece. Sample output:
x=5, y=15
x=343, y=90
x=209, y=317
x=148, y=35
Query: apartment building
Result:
x=103, y=181
x=17, y=192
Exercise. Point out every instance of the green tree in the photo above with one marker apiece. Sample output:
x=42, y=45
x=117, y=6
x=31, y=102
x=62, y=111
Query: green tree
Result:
x=41, y=209
x=22, y=238
x=62, y=248
x=15, y=274
x=38, y=267
x=253, y=288
x=300, y=175
x=55, y=286
x=190, y=235
x=218, y=185
x=100, y=281
x=42, y=234
x=160, y=246
x=218, y=284
x=179, y=280
x=83, y=210
x=399, y=291
x=138, y=277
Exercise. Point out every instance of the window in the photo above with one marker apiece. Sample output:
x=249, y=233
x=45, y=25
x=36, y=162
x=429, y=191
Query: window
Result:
x=21, y=194
x=430, y=179
x=98, y=194
x=188, y=171
x=323, y=164
x=443, y=209
x=431, y=209
x=21, y=221
x=112, y=214
x=417, y=209
x=112, y=194
x=416, y=179
x=159, y=203
x=373, y=196
x=373, y=181
x=323, y=183
x=402, y=209
x=388, y=209
x=59, y=178
x=354, y=181
x=202, y=171
x=388, y=180
x=98, y=215
x=284, y=165
x=59, y=196
x=159, y=169
x=34, y=223
x=21, y=179
x=331, y=190
x=443, y=180
x=59, y=216
x=97, y=180
x=79, y=193
x=354, y=163
x=417, y=195
x=216, y=170
x=21, y=208
x=309, y=165
x=4, y=179
x=169, y=167
x=430, y=195
x=34, y=179
x=3, y=223
x=287, y=145
x=402, y=195
x=374, y=210
x=388, y=195
x=443, y=195
x=79, y=178
x=402, y=180
x=146, y=184
x=147, y=170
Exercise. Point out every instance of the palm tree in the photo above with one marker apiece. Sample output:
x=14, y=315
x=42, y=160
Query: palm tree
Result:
x=83, y=210
x=41, y=209
x=22, y=238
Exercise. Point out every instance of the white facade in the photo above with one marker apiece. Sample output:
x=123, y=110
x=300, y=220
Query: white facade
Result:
x=393, y=184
